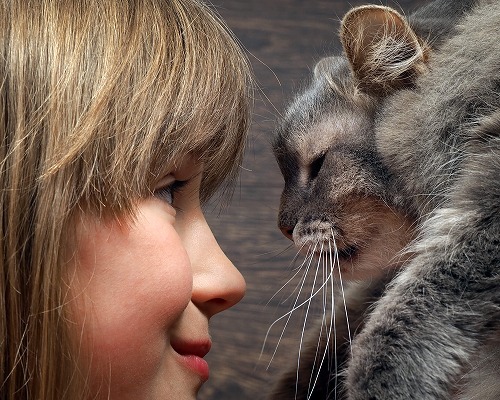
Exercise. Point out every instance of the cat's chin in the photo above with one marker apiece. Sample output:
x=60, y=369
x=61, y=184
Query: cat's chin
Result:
x=374, y=260
x=358, y=270
x=346, y=263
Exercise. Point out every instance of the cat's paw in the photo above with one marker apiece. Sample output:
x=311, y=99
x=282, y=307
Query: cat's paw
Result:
x=396, y=358
x=372, y=372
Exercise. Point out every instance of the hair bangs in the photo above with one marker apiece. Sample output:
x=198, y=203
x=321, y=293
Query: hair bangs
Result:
x=211, y=117
x=182, y=86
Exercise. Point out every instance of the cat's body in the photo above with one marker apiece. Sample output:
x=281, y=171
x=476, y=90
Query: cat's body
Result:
x=442, y=143
x=375, y=161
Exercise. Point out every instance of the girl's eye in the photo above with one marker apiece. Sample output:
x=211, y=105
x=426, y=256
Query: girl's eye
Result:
x=166, y=193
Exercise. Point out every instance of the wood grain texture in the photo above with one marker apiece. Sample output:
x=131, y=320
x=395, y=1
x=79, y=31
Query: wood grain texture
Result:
x=283, y=40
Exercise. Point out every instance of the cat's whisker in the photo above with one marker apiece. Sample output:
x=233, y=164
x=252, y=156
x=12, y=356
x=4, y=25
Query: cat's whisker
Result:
x=337, y=263
x=297, y=271
x=309, y=253
x=333, y=317
x=307, y=314
x=288, y=314
x=328, y=277
x=276, y=253
x=307, y=260
x=307, y=263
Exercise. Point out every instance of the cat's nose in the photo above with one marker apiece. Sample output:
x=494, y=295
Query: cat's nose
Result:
x=287, y=231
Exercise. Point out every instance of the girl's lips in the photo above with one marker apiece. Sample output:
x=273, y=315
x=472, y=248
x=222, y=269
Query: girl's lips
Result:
x=196, y=364
x=191, y=356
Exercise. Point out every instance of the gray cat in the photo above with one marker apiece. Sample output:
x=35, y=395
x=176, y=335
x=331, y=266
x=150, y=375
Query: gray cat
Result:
x=398, y=141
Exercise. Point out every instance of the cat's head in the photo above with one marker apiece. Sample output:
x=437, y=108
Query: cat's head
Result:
x=337, y=194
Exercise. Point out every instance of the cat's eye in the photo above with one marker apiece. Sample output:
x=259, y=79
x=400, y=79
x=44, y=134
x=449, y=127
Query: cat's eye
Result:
x=316, y=166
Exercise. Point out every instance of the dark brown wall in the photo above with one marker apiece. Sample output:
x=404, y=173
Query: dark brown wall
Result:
x=284, y=39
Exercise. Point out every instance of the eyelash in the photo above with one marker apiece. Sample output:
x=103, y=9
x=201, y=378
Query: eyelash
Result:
x=167, y=193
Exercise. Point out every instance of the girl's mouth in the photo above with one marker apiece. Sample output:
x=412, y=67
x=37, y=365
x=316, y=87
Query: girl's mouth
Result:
x=191, y=356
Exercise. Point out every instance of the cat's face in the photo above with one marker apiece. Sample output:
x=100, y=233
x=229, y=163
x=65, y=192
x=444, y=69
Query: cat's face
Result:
x=335, y=195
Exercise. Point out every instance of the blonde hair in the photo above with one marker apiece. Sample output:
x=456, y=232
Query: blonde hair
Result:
x=98, y=98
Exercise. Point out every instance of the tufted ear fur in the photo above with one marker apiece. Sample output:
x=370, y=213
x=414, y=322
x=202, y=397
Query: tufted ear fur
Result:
x=336, y=71
x=384, y=52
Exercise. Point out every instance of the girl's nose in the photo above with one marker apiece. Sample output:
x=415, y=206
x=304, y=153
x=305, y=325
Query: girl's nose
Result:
x=217, y=284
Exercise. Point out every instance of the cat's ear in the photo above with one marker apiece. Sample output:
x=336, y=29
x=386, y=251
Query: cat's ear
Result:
x=384, y=52
x=336, y=71
x=324, y=66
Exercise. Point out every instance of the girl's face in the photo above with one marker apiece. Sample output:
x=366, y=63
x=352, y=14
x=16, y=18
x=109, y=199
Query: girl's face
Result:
x=145, y=292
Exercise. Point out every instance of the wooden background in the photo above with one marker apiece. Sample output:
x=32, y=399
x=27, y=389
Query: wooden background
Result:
x=284, y=39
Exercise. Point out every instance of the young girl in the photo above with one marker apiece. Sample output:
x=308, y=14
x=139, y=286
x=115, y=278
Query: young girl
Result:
x=118, y=119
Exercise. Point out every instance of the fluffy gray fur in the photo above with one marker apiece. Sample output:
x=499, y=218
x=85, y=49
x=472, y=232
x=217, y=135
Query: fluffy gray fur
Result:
x=441, y=142
x=427, y=148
